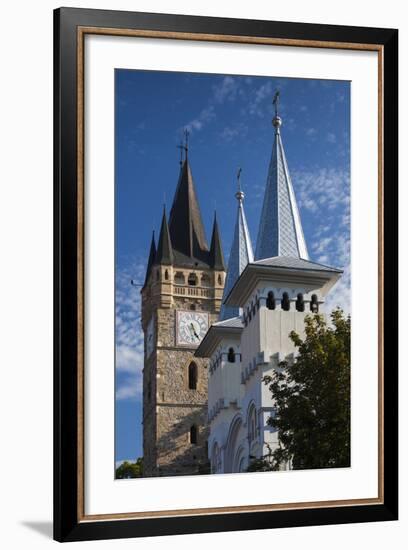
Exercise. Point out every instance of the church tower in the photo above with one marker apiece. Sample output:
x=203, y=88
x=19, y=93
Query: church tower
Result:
x=181, y=298
x=264, y=301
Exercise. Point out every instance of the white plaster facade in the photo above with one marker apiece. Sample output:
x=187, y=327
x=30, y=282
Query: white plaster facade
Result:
x=244, y=349
x=274, y=295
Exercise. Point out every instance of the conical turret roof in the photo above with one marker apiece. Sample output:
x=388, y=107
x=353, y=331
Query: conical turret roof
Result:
x=241, y=254
x=185, y=223
x=216, y=254
x=151, y=260
x=280, y=229
x=164, y=254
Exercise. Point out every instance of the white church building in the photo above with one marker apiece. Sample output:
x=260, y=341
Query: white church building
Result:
x=266, y=296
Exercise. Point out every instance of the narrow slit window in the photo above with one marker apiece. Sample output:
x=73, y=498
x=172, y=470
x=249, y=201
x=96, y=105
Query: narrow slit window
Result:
x=285, y=304
x=300, y=304
x=192, y=376
x=193, y=435
x=314, y=304
x=270, y=300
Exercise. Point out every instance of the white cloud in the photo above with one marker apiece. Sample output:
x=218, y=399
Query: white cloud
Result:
x=231, y=132
x=324, y=186
x=203, y=118
x=227, y=90
x=311, y=132
x=340, y=293
x=264, y=91
x=326, y=193
x=129, y=351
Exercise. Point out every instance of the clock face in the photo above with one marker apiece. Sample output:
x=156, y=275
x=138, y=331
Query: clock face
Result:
x=191, y=327
x=150, y=337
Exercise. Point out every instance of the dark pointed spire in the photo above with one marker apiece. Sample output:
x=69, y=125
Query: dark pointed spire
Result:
x=164, y=253
x=185, y=222
x=216, y=254
x=151, y=260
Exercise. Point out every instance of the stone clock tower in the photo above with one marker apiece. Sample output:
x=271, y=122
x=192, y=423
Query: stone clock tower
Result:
x=181, y=298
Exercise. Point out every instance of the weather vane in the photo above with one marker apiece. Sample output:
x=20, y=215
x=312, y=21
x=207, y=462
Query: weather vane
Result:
x=276, y=101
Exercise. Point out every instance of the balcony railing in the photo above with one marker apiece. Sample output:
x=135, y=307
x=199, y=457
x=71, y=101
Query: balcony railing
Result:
x=197, y=291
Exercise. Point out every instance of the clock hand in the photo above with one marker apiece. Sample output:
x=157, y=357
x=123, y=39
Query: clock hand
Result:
x=194, y=332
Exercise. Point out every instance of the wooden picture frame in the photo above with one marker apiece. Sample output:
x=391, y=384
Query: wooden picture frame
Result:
x=70, y=27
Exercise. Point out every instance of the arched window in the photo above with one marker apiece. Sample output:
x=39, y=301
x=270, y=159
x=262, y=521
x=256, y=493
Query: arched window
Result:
x=252, y=424
x=241, y=465
x=216, y=459
x=193, y=434
x=314, y=304
x=166, y=275
x=192, y=376
x=192, y=279
x=285, y=303
x=219, y=280
x=231, y=355
x=179, y=278
x=270, y=300
x=192, y=307
x=205, y=280
x=300, y=304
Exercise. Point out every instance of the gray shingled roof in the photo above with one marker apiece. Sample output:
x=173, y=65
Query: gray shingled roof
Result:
x=235, y=322
x=241, y=254
x=280, y=229
x=295, y=263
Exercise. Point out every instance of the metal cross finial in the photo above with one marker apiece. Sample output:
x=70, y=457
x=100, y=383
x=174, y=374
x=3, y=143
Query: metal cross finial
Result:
x=186, y=134
x=239, y=179
x=239, y=194
x=276, y=101
x=181, y=147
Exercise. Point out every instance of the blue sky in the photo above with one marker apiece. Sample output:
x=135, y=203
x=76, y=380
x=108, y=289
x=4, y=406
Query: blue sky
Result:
x=229, y=118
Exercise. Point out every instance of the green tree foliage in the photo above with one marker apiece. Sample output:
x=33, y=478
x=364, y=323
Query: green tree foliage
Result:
x=128, y=470
x=312, y=399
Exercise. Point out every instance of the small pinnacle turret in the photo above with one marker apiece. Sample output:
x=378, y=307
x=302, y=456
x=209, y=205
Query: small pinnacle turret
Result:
x=240, y=255
x=216, y=254
x=164, y=253
x=151, y=260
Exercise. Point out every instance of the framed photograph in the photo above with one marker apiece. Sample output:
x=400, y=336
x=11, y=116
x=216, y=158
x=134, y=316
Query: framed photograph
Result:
x=225, y=274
